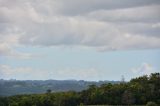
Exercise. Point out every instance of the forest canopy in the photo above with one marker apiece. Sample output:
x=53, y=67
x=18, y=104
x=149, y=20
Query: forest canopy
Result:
x=139, y=91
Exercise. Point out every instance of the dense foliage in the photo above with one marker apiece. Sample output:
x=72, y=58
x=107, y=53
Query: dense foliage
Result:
x=140, y=90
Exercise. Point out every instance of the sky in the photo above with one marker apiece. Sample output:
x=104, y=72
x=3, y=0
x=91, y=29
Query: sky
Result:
x=79, y=39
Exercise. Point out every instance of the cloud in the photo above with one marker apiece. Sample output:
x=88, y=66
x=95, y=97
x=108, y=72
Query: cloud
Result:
x=144, y=69
x=72, y=7
x=128, y=14
x=22, y=73
x=25, y=73
x=9, y=72
x=106, y=25
x=7, y=45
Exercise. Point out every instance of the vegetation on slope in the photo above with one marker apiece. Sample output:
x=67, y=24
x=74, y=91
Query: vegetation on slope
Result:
x=139, y=91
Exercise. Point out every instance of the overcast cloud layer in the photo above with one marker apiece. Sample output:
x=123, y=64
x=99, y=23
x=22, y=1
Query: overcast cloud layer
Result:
x=103, y=25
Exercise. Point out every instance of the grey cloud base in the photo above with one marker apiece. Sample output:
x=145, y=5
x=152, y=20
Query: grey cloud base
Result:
x=103, y=25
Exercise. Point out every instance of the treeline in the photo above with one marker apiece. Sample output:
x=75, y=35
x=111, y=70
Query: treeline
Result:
x=138, y=91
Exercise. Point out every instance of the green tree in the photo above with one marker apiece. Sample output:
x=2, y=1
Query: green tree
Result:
x=48, y=91
x=127, y=98
x=151, y=104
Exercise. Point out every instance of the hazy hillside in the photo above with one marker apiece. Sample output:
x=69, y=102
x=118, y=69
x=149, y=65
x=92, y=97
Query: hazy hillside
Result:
x=14, y=87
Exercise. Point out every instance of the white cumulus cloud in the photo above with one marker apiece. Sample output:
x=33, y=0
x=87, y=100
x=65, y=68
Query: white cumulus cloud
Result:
x=144, y=69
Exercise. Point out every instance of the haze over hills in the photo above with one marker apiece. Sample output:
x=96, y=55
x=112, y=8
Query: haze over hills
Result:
x=16, y=87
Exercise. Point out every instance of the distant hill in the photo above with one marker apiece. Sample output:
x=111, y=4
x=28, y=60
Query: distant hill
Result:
x=16, y=87
x=138, y=91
